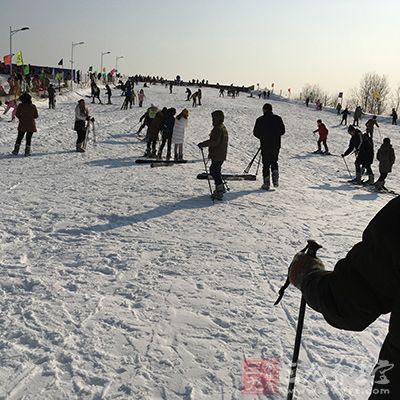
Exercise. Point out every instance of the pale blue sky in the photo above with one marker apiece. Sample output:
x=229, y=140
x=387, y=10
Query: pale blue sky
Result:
x=289, y=42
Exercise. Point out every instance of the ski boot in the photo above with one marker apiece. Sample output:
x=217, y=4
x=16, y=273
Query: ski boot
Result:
x=370, y=180
x=266, y=184
x=27, y=151
x=357, y=180
x=275, y=178
x=16, y=149
x=317, y=151
x=218, y=193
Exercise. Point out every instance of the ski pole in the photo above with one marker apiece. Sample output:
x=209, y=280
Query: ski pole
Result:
x=258, y=165
x=345, y=163
x=205, y=167
x=247, y=169
x=311, y=249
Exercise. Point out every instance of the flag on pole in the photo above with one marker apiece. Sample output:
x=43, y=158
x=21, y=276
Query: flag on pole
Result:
x=61, y=62
x=25, y=70
x=7, y=59
x=18, y=58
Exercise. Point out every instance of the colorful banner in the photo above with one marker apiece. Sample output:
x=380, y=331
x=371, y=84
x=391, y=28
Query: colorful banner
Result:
x=18, y=57
x=7, y=59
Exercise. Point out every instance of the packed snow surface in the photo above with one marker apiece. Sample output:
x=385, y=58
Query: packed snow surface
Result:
x=121, y=281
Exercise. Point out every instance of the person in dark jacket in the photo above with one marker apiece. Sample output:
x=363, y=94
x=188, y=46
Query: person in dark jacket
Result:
x=345, y=114
x=26, y=113
x=188, y=94
x=81, y=116
x=96, y=94
x=394, y=116
x=269, y=128
x=218, y=147
x=386, y=158
x=339, y=108
x=363, y=285
x=358, y=113
x=108, y=93
x=363, y=147
x=167, y=129
x=52, y=95
x=153, y=131
x=370, y=126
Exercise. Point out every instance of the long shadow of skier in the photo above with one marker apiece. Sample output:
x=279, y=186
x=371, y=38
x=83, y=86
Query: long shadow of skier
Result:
x=118, y=221
x=348, y=188
x=113, y=162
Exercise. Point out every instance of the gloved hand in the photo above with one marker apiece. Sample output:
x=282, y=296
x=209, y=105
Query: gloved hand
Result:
x=200, y=145
x=301, y=265
x=342, y=155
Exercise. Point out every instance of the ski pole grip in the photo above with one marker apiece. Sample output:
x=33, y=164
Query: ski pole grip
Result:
x=312, y=247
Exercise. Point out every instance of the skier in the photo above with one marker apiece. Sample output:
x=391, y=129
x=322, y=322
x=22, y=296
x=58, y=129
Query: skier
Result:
x=178, y=135
x=345, y=113
x=108, y=93
x=394, y=116
x=11, y=104
x=152, y=132
x=52, y=94
x=221, y=92
x=148, y=117
x=362, y=145
x=141, y=97
x=386, y=158
x=26, y=113
x=339, y=108
x=323, y=136
x=81, y=116
x=370, y=126
x=218, y=146
x=357, y=115
x=199, y=96
x=128, y=96
x=318, y=105
x=307, y=101
x=194, y=98
x=269, y=128
x=96, y=94
x=188, y=94
x=167, y=129
x=362, y=286
x=171, y=85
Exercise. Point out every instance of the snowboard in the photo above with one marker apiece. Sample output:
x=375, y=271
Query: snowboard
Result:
x=230, y=177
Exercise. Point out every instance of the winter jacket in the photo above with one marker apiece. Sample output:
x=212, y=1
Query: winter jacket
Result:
x=80, y=118
x=322, y=131
x=168, y=127
x=386, y=158
x=51, y=91
x=27, y=113
x=364, y=285
x=269, y=128
x=362, y=146
x=180, y=126
x=155, y=126
x=358, y=113
x=370, y=125
x=218, y=142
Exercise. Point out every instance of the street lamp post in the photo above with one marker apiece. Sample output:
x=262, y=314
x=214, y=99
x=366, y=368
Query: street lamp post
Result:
x=101, y=64
x=12, y=32
x=72, y=62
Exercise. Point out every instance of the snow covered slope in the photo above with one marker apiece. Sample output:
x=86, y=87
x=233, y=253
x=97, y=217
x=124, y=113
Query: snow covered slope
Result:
x=121, y=281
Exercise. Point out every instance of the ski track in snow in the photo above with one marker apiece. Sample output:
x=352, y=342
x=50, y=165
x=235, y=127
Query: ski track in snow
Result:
x=121, y=281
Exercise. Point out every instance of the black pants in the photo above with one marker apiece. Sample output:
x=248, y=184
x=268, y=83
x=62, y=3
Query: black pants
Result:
x=21, y=136
x=51, y=102
x=270, y=160
x=215, y=171
x=382, y=177
x=151, y=143
x=394, y=121
x=166, y=139
x=366, y=166
x=323, y=141
x=109, y=99
x=81, y=136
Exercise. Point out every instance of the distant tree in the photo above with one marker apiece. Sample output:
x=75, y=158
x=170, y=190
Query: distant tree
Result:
x=314, y=92
x=396, y=98
x=372, y=94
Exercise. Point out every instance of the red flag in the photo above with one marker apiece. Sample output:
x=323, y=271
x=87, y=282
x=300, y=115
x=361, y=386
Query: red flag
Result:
x=7, y=59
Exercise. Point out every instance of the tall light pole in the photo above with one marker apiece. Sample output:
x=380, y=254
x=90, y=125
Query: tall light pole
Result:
x=12, y=32
x=116, y=62
x=101, y=64
x=72, y=62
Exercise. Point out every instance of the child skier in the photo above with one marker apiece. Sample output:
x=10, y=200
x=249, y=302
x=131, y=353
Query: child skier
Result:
x=11, y=104
x=323, y=136
x=386, y=158
x=218, y=146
